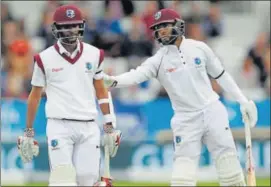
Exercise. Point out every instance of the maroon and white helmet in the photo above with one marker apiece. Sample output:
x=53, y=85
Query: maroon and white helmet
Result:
x=65, y=18
x=164, y=17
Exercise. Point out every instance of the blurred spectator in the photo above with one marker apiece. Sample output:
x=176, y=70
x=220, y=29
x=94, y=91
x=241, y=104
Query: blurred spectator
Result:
x=267, y=68
x=150, y=8
x=135, y=43
x=212, y=23
x=45, y=29
x=16, y=77
x=195, y=16
x=10, y=32
x=120, y=8
x=51, y=5
x=255, y=59
x=91, y=34
x=5, y=13
x=110, y=34
x=176, y=5
x=194, y=31
x=193, y=27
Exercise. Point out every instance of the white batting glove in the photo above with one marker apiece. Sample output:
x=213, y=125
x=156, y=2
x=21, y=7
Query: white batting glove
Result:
x=112, y=139
x=249, y=113
x=109, y=81
x=27, y=146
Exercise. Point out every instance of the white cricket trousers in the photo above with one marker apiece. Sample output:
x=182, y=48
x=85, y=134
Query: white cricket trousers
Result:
x=209, y=126
x=77, y=144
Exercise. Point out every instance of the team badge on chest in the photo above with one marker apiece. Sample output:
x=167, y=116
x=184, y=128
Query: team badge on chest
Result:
x=198, y=62
x=88, y=67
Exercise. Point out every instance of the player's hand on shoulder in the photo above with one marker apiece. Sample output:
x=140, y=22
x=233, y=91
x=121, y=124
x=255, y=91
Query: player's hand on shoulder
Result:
x=112, y=139
x=109, y=81
x=27, y=146
x=249, y=113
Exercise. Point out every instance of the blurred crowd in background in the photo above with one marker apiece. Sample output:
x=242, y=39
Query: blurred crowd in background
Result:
x=121, y=29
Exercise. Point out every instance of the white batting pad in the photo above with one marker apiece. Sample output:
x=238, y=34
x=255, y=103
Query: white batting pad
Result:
x=229, y=170
x=63, y=175
x=184, y=172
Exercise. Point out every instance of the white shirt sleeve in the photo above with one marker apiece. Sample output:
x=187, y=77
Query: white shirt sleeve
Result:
x=38, y=77
x=145, y=71
x=229, y=85
x=214, y=66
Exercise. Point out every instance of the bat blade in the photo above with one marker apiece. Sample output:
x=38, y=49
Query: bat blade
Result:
x=251, y=179
x=106, y=172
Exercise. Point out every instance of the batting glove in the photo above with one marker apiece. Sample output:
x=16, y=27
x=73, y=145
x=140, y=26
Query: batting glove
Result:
x=109, y=81
x=27, y=146
x=112, y=139
x=249, y=113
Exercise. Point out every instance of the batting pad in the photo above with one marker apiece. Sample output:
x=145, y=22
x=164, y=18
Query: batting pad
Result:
x=229, y=170
x=184, y=172
x=63, y=175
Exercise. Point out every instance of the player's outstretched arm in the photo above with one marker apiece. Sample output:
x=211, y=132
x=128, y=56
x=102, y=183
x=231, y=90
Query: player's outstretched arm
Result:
x=144, y=72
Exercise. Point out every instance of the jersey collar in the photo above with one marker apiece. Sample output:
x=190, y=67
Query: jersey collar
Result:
x=66, y=55
x=174, y=48
x=62, y=50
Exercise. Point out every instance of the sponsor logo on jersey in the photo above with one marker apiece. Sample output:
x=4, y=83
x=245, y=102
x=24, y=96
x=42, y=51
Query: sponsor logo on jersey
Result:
x=54, y=144
x=70, y=13
x=171, y=70
x=57, y=69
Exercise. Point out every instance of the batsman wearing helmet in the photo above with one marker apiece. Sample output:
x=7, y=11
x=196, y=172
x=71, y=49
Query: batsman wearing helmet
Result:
x=71, y=74
x=183, y=67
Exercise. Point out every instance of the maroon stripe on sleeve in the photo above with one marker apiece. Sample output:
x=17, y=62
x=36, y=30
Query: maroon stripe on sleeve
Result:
x=101, y=59
x=39, y=62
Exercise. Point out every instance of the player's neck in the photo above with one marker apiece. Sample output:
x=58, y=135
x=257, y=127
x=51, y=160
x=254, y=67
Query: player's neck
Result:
x=70, y=48
x=178, y=41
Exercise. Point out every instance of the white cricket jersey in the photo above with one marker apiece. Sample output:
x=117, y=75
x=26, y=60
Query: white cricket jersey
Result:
x=182, y=72
x=68, y=80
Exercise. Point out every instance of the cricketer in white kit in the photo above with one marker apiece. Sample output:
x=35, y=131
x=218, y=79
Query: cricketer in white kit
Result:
x=71, y=73
x=183, y=67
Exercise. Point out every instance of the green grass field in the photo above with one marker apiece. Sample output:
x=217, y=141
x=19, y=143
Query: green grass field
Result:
x=260, y=182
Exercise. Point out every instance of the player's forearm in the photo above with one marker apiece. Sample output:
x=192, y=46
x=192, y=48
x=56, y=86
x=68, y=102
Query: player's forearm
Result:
x=103, y=106
x=105, y=102
x=130, y=78
x=32, y=107
x=229, y=85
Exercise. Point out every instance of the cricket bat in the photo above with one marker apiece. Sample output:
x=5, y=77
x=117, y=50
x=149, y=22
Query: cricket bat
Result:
x=251, y=179
x=106, y=173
